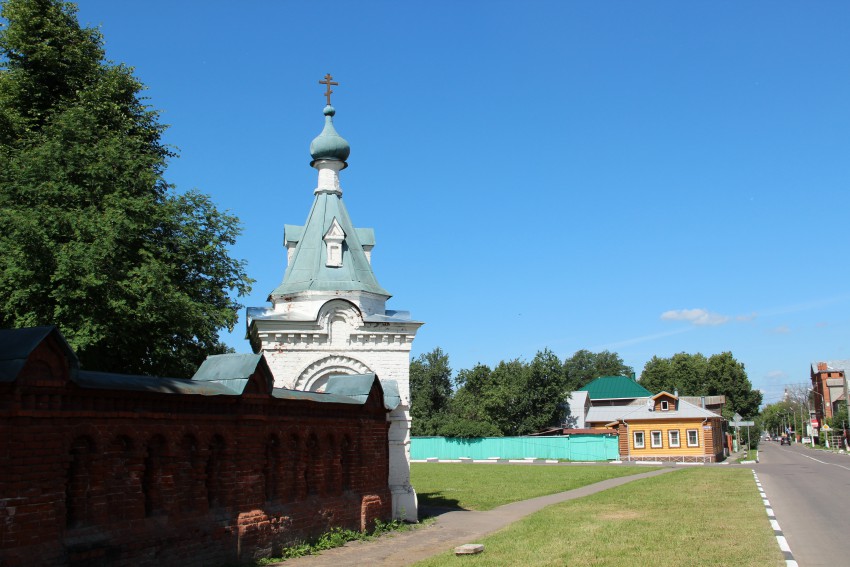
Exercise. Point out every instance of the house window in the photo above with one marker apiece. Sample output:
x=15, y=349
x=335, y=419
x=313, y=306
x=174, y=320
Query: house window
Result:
x=693, y=438
x=656, y=439
x=665, y=405
x=639, y=440
x=673, y=437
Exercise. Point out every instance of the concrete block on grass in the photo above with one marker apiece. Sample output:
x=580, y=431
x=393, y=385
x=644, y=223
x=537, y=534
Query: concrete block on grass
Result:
x=469, y=549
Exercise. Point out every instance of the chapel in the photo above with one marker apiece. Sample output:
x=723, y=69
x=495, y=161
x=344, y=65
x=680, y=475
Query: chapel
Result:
x=328, y=317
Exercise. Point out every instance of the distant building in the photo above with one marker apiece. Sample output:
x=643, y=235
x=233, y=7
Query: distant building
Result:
x=828, y=385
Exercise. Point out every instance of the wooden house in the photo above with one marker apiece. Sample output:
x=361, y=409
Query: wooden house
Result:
x=667, y=428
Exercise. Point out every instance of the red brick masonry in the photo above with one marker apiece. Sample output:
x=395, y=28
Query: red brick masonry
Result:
x=110, y=476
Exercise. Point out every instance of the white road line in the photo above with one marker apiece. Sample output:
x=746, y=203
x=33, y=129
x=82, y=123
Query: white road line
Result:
x=780, y=537
x=825, y=463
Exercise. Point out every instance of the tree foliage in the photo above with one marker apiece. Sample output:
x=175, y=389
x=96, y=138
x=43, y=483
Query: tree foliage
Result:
x=430, y=392
x=514, y=398
x=696, y=375
x=93, y=239
x=584, y=366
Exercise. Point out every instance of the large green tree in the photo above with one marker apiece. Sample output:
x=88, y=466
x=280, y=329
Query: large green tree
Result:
x=515, y=398
x=725, y=375
x=93, y=239
x=696, y=375
x=682, y=372
x=542, y=396
x=585, y=366
x=430, y=392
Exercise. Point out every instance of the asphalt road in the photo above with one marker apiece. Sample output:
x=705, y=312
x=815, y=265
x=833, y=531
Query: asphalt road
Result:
x=809, y=491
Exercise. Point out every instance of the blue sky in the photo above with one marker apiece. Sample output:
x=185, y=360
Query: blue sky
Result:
x=644, y=177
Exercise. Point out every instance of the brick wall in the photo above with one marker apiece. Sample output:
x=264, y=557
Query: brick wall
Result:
x=112, y=477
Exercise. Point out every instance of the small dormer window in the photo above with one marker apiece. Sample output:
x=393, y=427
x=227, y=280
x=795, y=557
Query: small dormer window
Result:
x=334, y=238
x=665, y=405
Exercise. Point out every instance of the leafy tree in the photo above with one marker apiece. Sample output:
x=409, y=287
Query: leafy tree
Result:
x=501, y=403
x=657, y=375
x=467, y=428
x=515, y=398
x=725, y=375
x=542, y=400
x=838, y=421
x=430, y=392
x=774, y=416
x=473, y=401
x=93, y=239
x=682, y=372
x=584, y=366
x=696, y=375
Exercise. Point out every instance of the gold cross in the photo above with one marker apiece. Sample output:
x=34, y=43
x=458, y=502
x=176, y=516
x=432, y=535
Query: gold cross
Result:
x=328, y=82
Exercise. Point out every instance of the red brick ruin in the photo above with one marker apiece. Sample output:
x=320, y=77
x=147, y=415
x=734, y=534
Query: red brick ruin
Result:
x=101, y=469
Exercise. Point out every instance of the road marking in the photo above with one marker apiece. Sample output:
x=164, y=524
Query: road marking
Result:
x=825, y=463
x=780, y=537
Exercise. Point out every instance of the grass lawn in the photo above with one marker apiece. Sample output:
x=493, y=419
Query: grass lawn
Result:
x=483, y=487
x=750, y=455
x=695, y=516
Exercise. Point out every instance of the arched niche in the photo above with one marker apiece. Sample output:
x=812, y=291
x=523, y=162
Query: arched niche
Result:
x=314, y=377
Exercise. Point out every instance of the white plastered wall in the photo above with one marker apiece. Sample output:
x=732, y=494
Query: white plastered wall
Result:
x=301, y=354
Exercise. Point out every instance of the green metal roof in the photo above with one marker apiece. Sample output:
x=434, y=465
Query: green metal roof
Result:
x=358, y=386
x=308, y=271
x=230, y=370
x=614, y=388
x=321, y=397
x=111, y=381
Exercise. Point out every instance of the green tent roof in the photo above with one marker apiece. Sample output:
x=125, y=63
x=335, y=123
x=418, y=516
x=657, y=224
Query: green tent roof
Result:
x=308, y=270
x=614, y=388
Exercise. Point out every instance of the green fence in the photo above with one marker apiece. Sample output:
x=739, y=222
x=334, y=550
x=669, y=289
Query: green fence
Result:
x=572, y=448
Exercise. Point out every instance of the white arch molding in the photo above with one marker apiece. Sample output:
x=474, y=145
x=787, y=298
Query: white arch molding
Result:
x=315, y=375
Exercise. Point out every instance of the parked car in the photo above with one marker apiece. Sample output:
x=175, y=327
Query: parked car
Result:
x=807, y=440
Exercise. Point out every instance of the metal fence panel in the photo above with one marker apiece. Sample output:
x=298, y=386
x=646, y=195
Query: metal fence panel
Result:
x=572, y=448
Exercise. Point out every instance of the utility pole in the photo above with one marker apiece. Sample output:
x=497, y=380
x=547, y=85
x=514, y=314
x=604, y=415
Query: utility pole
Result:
x=844, y=439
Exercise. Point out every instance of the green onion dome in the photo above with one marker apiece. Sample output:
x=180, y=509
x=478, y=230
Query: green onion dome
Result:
x=329, y=145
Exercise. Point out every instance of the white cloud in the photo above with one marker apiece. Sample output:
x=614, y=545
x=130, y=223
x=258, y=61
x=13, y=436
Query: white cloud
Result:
x=776, y=375
x=695, y=316
x=781, y=330
x=749, y=317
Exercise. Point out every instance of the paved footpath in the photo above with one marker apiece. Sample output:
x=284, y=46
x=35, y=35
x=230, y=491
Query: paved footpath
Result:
x=448, y=531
